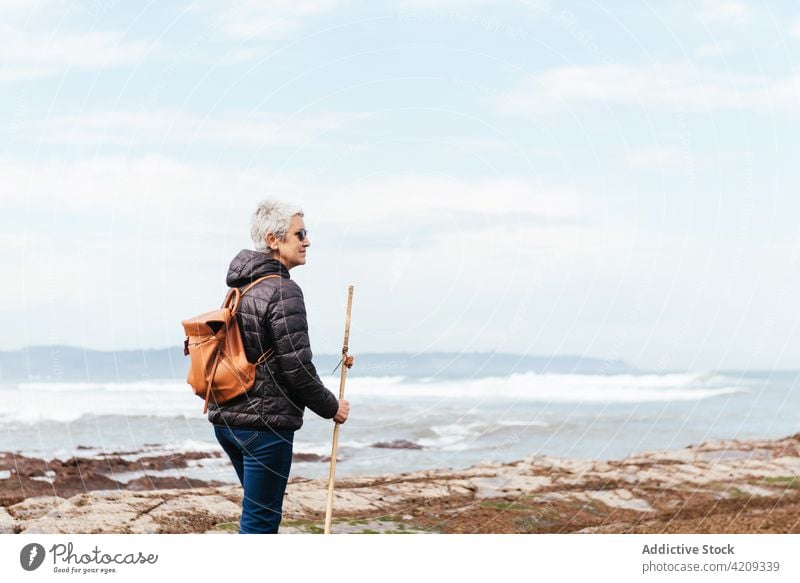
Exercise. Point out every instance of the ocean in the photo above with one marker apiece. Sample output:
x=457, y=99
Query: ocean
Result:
x=455, y=422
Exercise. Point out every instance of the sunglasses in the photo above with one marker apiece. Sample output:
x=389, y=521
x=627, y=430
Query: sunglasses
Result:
x=302, y=234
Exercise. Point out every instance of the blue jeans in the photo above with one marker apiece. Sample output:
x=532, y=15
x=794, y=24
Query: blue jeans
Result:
x=262, y=460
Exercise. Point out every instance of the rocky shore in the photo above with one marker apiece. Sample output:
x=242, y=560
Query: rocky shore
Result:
x=735, y=486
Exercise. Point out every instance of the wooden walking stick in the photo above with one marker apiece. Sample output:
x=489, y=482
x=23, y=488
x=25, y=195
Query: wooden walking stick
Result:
x=347, y=362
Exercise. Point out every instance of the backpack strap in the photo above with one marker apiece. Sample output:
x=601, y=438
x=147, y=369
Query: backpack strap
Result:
x=210, y=379
x=234, y=295
x=259, y=280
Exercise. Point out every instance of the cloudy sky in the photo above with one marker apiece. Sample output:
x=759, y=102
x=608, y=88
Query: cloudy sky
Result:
x=610, y=179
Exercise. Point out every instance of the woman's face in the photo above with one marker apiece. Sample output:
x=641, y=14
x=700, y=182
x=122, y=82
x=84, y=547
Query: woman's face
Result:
x=291, y=251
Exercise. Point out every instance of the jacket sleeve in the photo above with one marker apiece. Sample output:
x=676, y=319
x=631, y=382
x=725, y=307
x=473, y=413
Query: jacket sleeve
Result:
x=286, y=317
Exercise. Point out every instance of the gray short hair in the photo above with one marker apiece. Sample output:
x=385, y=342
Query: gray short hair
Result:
x=271, y=216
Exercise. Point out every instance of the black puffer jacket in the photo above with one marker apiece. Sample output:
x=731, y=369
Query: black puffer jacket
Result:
x=273, y=314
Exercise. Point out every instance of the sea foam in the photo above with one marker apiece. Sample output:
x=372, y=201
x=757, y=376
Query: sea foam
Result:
x=67, y=402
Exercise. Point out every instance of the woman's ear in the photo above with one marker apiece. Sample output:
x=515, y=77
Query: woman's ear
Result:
x=272, y=242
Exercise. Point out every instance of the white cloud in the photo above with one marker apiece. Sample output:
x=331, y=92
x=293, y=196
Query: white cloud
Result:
x=715, y=50
x=395, y=196
x=172, y=204
x=26, y=8
x=158, y=234
x=118, y=184
x=128, y=219
x=109, y=185
x=795, y=32
x=442, y=4
x=255, y=19
x=117, y=251
x=681, y=87
x=723, y=12
x=471, y=145
x=163, y=126
x=30, y=56
x=659, y=157
x=33, y=45
x=547, y=242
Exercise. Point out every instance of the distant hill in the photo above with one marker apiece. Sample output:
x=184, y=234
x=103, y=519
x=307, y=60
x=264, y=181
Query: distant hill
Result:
x=71, y=364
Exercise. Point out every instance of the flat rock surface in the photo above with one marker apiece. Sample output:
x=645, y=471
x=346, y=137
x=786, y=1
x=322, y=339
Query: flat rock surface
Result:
x=718, y=486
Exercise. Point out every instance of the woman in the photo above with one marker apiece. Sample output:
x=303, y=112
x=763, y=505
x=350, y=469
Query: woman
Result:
x=256, y=429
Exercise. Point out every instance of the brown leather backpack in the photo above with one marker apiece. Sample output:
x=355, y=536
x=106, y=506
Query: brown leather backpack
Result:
x=219, y=369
